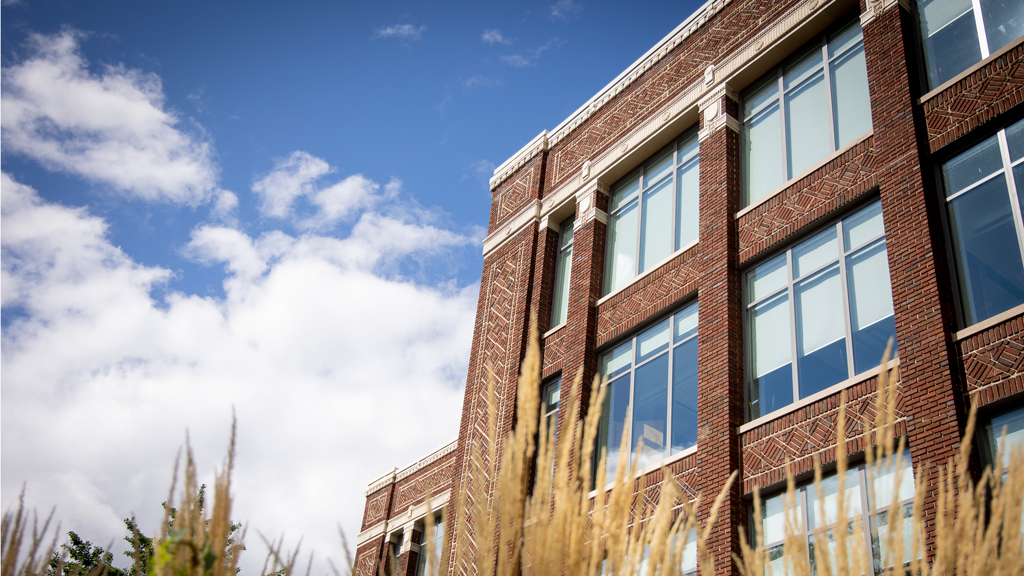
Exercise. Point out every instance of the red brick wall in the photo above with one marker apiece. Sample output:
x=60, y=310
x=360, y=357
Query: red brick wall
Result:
x=993, y=361
x=425, y=483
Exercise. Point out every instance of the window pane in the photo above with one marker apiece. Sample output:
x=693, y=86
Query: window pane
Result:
x=950, y=38
x=777, y=562
x=988, y=261
x=563, y=267
x=770, y=360
x=807, y=121
x=621, y=265
x=1004, y=22
x=653, y=341
x=972, y=166
x=687, y=203
x=863, y=226
x=623, y=190
x=617, y=361
x=871, y=313
x=826, y=544
x=880, y=528
x=885, y=484
x=815, y=253
x=658, y=166
x=650, y=414
x=686, y=323
x=821, y=332
x=762, y=154
x=773, y=518
x=689, y=561
x=766, y=278
x=764, y=91
x=1014, y=423
x=656, y=242
x=565, y=233
x=844, y=38
x=684, y=396
x=828, y=501
x=613, y=422
x=801, y=66
x=850, y=100
x=1015, y=140
x=687, y=146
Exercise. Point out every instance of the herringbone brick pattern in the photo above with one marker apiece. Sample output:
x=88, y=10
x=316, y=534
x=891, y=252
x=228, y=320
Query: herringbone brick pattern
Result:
x=994, y=361
x=433, y=480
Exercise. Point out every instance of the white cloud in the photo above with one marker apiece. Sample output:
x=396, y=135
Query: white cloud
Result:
x=564, y=9
x=524, y=60
x=401, y=31
x=333, y=363
x=494, y=36
x=291, y=177
x=481, y=81
x=111, y=127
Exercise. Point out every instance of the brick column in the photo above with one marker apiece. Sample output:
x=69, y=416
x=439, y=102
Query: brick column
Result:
x=720, y=394
x=932, y=395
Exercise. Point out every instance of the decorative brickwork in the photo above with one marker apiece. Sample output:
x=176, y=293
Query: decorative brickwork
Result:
x=554, y=352
x=425, y=483
x=976, y=99
x=376, y=508
x=647, y=297
x=994, y=361
x=807, y=200
x=366, y=559
x=516, y=193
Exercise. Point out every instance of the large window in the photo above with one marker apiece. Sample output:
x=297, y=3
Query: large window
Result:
x=653, y=211
x=825, y=302
x=984, y=187
x=434, y=547
x=815, y=103
x=655, y=373
x=959, y=33
x=817, y=520
x=563, y=268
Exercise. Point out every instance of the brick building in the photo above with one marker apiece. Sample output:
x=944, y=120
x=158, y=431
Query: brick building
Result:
x=733, y=228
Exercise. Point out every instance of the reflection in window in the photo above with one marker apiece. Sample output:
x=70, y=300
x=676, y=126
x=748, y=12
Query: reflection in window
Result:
x=983, y=188
x=815, y=103
x=655, y=373
x=653, y=211
x=432, y=547
x=817, y=514
x=959, y=33
x=826, y=303
x=563, y=268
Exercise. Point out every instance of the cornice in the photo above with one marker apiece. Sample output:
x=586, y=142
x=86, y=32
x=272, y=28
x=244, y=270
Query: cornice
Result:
x=397, y=475
x=528, y=215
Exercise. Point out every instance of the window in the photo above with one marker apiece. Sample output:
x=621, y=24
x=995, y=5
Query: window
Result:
x=821, y=517
x=563, y=266
x=434, y=547
x=552, y=390
x=984, y=188
x=653, y=211
x=688, y=563
x=825, y=302
x=1013, y=422
x=815, y=103
x=655, y=372
x=959, y=33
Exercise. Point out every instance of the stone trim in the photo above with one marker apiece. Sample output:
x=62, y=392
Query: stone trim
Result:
x=528, y=215
x=371, y=533
x=397, y=475
x=381, y=482
x=988, y=323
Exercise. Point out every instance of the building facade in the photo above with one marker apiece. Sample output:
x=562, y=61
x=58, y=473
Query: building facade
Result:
x=732, y=230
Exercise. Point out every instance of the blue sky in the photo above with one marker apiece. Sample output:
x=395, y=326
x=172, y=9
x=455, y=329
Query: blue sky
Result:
x=225, y=200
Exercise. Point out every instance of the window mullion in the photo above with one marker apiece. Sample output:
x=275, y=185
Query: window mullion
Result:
x=979, y=23
x=847, y=317
x=639, y=224
x=668, y=409
x=1011, y=184
x=782, y=128
x=792, y=325
x=675, y=193
x=866, y=516
x=629, y=407
x=826, y=69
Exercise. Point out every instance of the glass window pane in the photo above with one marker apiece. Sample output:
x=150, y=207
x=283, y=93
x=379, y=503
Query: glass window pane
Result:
x=828, y=501
x=650, y=412
x=684, y=396
x=863, y=226
x=821, y=332
x=770, y=356
x=826, y=544
x=656, y=239
x=1014, y=423
x=658, y=166
x=766, y=90
x=617, y=361
x=652, y=342
x=989, y=264
x=565, y=232
x=762, y=154
x=620, y=267
x=880, y=535
x=972, y=166
x=773, y=518
x=889, y=471
x=767, y=278
x=777, y=562
x=871, y=312
x=807, y=120
x=950, y=38
x=1004, y=22
x=613, y=422
x=687, y=203
x=624, y=190
x=843, y=39
x=812, y=254
x=850, y=100
x=560, y=298
x=689, y=562
x=801, y=66
x=1015, y=140
x=687, y=146
x=686, y=323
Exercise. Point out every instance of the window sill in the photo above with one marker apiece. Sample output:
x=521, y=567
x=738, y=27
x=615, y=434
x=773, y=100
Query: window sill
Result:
x=977, y=66
x=553, y=330
x=645, y=471
x=805, y=173
x=988, y=323
x=646, y=273
x=804, y=402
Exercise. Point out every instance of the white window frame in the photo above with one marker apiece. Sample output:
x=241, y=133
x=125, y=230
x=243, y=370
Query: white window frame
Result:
x=560, y=293
x=979, y=26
